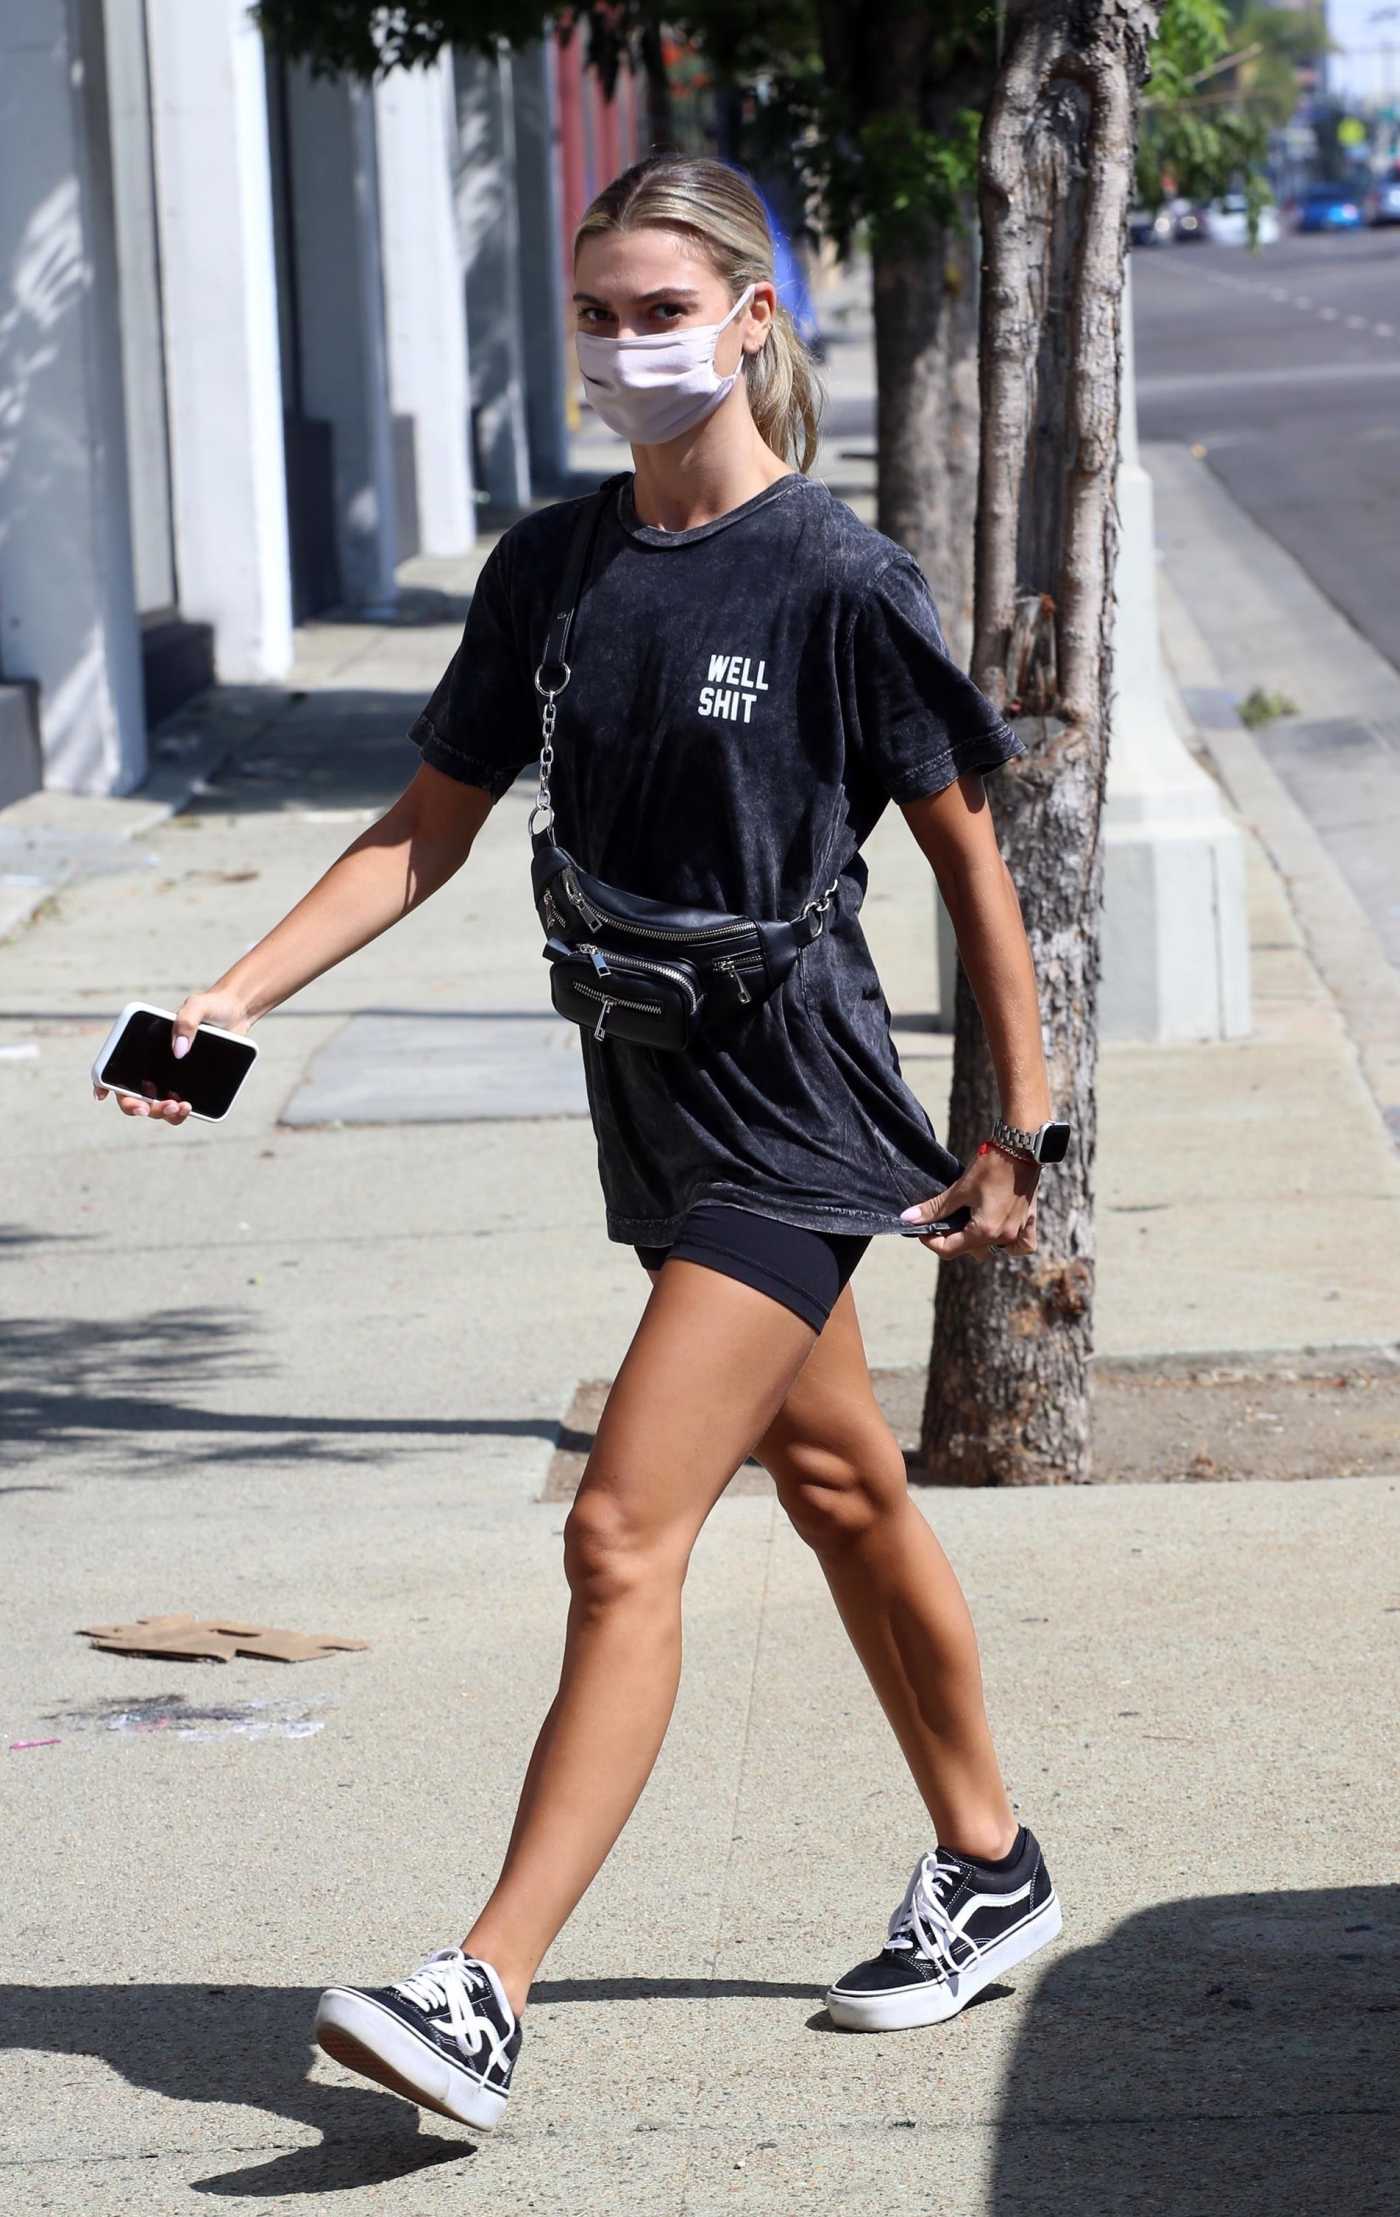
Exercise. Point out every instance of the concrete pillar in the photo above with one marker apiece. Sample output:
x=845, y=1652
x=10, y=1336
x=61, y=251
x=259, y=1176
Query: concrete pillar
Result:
x=425, y=319
x=218, y=285
x=67, y=597
x=488, y=237
x=544, y=279
x=1175, y=930
x=344, y=353
x=142, y=332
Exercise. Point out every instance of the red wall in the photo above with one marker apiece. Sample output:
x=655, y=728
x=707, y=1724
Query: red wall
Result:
x=598, y=138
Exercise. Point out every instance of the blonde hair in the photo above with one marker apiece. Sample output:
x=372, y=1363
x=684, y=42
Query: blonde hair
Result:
x=719, y=209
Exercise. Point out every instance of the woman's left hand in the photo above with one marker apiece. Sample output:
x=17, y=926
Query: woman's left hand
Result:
x=1000, y=1191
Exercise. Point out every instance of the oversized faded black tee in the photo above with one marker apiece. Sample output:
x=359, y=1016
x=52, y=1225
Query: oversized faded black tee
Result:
x=745, y=700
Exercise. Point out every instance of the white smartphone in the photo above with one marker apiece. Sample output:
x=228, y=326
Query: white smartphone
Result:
x=137, y=1057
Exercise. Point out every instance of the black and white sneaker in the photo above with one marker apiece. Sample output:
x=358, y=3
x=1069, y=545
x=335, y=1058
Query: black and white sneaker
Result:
x=958, y=1927
x=445, y=2036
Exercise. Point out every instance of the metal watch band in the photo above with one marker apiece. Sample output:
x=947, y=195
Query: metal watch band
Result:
x=1014, y=1141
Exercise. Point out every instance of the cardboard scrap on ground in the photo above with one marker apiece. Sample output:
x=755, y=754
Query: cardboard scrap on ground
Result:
x=213, y=1639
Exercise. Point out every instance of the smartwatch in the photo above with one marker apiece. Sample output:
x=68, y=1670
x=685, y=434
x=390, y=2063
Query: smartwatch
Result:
x=1049, y=1143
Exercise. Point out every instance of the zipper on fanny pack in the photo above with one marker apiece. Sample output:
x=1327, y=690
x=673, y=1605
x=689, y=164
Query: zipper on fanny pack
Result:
x=595, y=916
x=735, y=964
x=603, y=967
x=612, y=1000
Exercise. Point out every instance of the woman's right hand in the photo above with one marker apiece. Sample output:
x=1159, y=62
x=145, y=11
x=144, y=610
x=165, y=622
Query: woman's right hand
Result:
x=218, y=1006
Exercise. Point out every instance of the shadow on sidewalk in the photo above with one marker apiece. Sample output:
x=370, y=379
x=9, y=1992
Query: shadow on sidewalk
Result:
x=334, y=746
x=121, y=1389
x=250, y=2047
x=246, y=2046
x=1235, y=2056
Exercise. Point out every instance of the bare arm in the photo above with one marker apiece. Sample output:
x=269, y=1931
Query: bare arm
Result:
x=390, y=869
x=955, y=830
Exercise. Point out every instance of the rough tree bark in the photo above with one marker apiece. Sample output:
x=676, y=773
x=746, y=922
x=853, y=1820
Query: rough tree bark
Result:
x=1008, y=1395
x=925, y=303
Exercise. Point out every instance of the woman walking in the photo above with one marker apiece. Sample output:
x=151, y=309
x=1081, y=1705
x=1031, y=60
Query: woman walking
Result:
x=751, y=676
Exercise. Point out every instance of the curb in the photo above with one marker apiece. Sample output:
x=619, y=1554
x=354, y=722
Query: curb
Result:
x=1336, y=932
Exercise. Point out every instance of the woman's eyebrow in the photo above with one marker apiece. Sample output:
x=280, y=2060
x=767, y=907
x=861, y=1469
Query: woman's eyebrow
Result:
x=661, y=292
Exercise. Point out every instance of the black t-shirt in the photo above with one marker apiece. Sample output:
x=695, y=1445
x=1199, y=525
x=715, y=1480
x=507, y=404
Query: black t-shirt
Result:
x=745, y=700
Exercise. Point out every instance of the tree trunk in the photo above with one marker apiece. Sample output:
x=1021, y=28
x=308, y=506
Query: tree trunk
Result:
x=1008, y=1396
x=925, y=303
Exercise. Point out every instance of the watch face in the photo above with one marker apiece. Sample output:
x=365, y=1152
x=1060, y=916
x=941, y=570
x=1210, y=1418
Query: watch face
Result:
x=1054, y=1142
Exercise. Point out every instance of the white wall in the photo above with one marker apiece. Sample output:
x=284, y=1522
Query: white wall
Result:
x=67, y=601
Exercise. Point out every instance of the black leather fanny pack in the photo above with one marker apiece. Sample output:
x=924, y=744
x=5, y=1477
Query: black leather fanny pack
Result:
x=626, y=966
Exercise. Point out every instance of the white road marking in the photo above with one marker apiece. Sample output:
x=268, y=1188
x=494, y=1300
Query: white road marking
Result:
x=1319, y=373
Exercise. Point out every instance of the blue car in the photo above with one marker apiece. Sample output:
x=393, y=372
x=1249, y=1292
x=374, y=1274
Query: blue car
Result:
x=1329, y=208
x=1383, y=200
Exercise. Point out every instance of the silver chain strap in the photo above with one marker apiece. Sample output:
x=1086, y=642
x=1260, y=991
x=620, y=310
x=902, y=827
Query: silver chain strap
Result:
x=820, y=907
x=549, y=694
x=544, y=806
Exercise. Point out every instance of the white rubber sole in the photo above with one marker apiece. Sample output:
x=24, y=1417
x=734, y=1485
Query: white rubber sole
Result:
x=932, y=2002
x=357, y=2033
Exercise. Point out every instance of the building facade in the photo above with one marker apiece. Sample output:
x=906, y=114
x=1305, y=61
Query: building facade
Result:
x=262, y=338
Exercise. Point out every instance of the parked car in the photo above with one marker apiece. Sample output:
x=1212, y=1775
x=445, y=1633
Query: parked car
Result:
x=1189, y=221
x=1227, y=221
x=1382, y=202
x=1149, y=226
x=1329, y=208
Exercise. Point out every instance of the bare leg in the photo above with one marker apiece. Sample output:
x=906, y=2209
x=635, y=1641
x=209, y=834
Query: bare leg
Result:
x=840, y=1476
x=705, y=1374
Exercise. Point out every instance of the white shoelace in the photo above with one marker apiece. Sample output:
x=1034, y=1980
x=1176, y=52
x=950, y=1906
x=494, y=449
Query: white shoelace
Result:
x=446, y=1981
x=922, y=1923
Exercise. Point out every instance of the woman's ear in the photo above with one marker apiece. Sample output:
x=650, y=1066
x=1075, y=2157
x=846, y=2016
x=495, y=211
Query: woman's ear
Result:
x=763, y=308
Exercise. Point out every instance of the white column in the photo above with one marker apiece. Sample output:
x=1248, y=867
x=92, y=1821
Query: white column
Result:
x=488, y=234
x=1175, y=934
x=67, y=597
x=219, y=292
x=424, y=312
x=138, y=276
x=344, y=356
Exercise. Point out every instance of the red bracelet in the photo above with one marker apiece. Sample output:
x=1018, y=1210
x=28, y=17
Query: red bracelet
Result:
x=994, y=1147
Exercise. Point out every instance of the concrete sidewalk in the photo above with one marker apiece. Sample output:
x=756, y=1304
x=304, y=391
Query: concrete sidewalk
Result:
x=312, y=1374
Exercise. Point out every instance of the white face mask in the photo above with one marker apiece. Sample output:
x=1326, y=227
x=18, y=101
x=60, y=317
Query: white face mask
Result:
x=657, y=388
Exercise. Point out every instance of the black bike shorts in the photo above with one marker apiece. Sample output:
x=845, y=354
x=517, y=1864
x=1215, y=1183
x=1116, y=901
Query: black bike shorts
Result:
x=803, y=1270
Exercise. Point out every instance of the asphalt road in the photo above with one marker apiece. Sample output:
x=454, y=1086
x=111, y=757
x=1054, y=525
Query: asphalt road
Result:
x=1283, y=368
